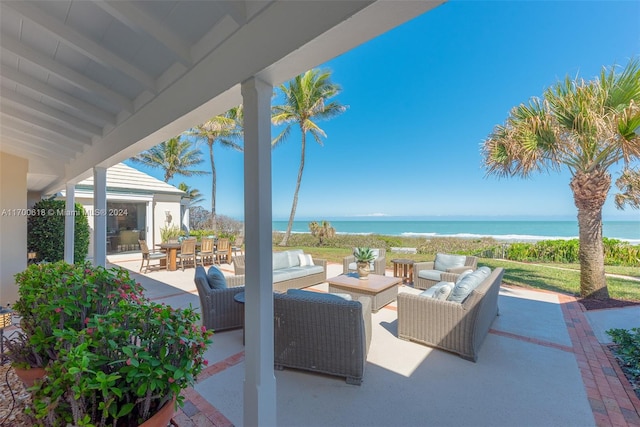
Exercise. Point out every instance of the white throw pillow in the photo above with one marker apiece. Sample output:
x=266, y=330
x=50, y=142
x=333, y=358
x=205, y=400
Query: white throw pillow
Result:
x=435, y=291
x=443, y=292
x=305, y=260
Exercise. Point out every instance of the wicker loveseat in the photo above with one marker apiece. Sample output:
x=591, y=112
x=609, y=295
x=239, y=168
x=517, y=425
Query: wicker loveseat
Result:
x=315, y=332
x=219, y=310
x=456, y=327
x=288, y=273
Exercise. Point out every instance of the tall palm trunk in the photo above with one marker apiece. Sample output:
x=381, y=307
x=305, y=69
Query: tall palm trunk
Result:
x=285, y=239
x=213, y=186
x=589, y=193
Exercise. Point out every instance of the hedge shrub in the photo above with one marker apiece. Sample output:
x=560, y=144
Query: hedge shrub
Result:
x=45, y=231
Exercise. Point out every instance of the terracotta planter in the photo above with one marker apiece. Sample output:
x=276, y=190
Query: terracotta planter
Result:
x=29, y=375
x=162, y=417
x=363, y=270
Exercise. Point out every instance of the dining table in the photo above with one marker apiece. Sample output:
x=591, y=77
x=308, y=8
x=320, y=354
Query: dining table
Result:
x=172, y=249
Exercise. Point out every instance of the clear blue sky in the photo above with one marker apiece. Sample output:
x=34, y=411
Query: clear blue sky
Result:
x=421, y=100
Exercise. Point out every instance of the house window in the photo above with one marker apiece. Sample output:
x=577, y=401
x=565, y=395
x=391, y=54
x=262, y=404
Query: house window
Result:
x=126, y=224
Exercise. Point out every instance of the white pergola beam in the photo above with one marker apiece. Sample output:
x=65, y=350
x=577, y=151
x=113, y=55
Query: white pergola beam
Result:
x=65, y=73
x=142, y=23
x=19, y=144
x=48, y=137
x=56, y=95
x=35, y=139
x=26, y=118
x=80, y=43
x=24, y=102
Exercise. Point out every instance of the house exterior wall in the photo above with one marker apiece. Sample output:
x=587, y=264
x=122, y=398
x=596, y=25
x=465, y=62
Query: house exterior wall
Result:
x=13, y=223
x=163, y=203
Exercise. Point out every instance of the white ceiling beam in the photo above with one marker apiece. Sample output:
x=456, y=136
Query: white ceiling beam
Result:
x=73, y=122
x=65, y=73
x=16, y=114
x=142, y=23
x=28, y=143
x=19, y=150
x=80, y=43
x=44, y=136
x=57, y=95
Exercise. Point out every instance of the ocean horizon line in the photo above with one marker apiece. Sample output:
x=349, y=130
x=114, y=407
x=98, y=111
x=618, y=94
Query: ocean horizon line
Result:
x=504, y=231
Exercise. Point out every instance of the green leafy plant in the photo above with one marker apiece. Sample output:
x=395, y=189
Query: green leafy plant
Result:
x=168, y=233
x=364, y=255
x=112, y=357
x=627, y=349
x=62, y=296
x=322, y=231
x=45, y=231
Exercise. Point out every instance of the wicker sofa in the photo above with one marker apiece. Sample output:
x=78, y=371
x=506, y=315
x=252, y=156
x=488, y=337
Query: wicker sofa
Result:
x=219, y=310
x=321, y=334
x=456, y=327
x=287, y=271
x=427, y=274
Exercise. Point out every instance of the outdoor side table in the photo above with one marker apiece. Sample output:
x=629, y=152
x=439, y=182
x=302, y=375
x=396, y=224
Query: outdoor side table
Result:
x=403, y=267
x=239, y=298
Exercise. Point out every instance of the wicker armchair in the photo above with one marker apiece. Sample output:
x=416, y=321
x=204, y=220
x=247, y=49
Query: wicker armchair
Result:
x=379, y=265
x=430, y=275
x=330, y=337
x=456, y=327
x=218, y=308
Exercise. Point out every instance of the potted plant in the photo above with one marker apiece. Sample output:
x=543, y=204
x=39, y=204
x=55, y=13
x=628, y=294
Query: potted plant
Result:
x=61, y=296
x=364, y=258
x=170, y=233
x=123, y=368
x=27, y=364
x=112, y=356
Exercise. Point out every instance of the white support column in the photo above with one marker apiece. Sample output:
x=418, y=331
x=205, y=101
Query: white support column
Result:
x=69, y=223
x=99, y=216
x=260, y=381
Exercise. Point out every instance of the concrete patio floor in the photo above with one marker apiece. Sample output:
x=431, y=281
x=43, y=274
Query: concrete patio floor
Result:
x=542, y=364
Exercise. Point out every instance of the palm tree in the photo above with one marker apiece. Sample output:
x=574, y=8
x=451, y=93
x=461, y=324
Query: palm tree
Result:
x=305, y=101
x=175, y=157
x=629, y=186
x=223, y=129
x=584, y=126
x=193, y=194
x=322, y=230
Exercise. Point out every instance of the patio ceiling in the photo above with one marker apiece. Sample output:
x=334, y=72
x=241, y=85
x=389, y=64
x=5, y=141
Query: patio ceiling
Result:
x=91, y=83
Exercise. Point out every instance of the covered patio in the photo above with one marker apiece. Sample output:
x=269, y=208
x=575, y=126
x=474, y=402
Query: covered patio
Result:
x=85, y=85
x=542, y=364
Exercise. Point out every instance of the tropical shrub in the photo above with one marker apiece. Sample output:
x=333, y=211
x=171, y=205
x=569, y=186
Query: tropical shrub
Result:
x=45, y=231
x=322, y=231
x=616, y=252
x=627, y=349
x=113, y=358
x=169, y=232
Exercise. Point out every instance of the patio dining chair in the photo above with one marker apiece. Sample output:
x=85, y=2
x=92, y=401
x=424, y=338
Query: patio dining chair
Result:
x=148, y=256
x=207, y=251
x=237, y=245
x=223, y=248
x=187, y=252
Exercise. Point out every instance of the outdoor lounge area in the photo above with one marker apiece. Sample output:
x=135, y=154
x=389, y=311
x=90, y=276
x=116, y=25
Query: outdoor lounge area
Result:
x=532, y=370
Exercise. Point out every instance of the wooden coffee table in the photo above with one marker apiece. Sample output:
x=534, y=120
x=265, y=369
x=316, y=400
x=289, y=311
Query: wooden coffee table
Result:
x=381, y=289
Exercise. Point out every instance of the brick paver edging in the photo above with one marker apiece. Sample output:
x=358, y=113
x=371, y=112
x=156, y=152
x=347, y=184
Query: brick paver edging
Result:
x=612, y=400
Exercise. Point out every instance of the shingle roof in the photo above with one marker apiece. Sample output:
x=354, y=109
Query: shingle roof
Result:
x=123, y=177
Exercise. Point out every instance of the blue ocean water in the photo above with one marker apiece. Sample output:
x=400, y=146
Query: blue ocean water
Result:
x=501, y=230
